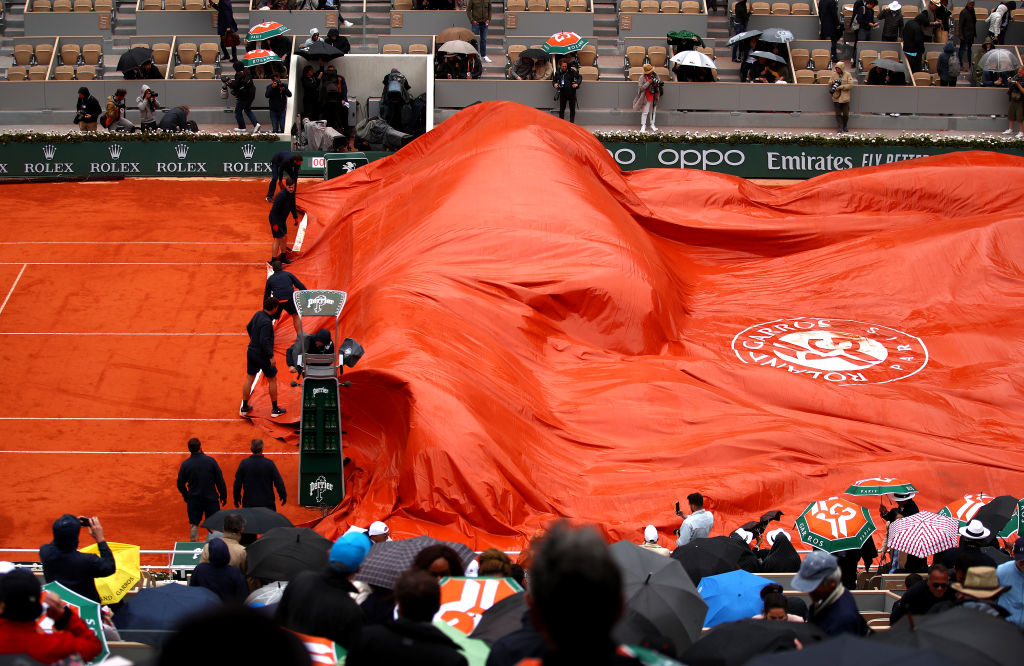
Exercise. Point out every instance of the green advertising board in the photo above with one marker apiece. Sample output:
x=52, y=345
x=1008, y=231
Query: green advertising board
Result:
x=186, y=554
x=87, y=609
x=320, y=479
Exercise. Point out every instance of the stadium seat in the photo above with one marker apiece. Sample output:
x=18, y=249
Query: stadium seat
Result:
x=82, y=6
x=578, y=6
x=629, y=7
x=92, y=53
x=161, y=53
x=689, y=7
x=537, y=6
x=932, y=58
x=800, y=9
x=922, y=79
x=23, y=54
x=37, y=73
x=205, y=71
x=136, y=45
x=558, y=5
x=403, y=5
x=17, y=73
x=981, y=13
x=85, y=72
x=44, y=53
x=825, y=76
x=589, y=73
x=657, y=55
x=173, y=5
x=634, y=73
x=800, y=58
x=182, y=72
x=635, y=56
x=670, y=7
x=761, y=8
x=804, y=76
x=516, y=6
x=663, y=73
x=513, y=52
x=418, y=49
x=780, y=8
x=821, y=58
x=391, y=49
x=63, y=73
x=890, y=55
x=708, y=51
x=69, y=54
x=587, y=55
x=62, y=5
x=208, y=52
x=187, y=52
x=866, y=57
x=649, y=7
x=195, y=5
x=41, y=5
x=151, y=4
x=105, y=6
x=1017, y=15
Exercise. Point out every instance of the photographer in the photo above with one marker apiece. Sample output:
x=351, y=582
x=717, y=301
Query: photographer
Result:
x=87, y=111
x=114, y=119
x=394, y=97
x=278, y=94
x=244, y=90
x=74, y=570
x=840, y=88
x=566, y=80
x=175, y=120
x=648, y=92
x=148, y=105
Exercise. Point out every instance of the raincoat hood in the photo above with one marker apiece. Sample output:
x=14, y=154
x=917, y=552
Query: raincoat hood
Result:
x=66, y=529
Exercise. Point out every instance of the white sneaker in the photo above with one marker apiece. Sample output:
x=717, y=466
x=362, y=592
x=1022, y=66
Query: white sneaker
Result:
x=256, y=128
x=349, y=24
x=643, y=128
x=1009, y=131
x=487, y=59
x=653, y=128
x=1020, y=135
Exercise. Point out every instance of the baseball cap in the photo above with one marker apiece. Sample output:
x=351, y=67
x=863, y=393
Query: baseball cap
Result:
x=651, y=534
x=348, y=551
x=1018, y=550
x=815, y=568
x=377, y=528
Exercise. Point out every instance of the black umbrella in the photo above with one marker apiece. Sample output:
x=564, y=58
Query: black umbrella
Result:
x=850, y=650
x=998, y=555
x=715, y=555
x=133, y=58
x=892, y=66
x=501, y=619
x=659, y=596
x=781, y=558
x=767, y=55
x=536, y=54
x=258, y=520
x=153, y=614
x=319, y=50
x=964, y=635
x=283, y=552
x=997, y=513
x=736, y=643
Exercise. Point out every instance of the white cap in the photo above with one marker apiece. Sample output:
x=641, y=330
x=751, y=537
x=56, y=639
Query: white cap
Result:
x=6, y=567
x=377, y=528
x=651, y=534
x=314, y=31
x=776, y=533
x=744, y=534
x=895, y=6
x=472, y=569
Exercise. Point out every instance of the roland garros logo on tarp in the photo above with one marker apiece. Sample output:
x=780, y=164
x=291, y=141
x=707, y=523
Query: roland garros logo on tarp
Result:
x=837, y=351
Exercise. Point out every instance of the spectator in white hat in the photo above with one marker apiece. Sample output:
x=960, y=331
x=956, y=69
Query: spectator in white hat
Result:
x=651, y=541
x=378, y=532
x=891, y=19
x=973, y=537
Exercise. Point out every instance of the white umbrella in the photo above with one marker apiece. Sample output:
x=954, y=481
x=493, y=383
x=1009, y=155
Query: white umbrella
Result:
x=693, y=59
x=998, y=60
x=459, y=46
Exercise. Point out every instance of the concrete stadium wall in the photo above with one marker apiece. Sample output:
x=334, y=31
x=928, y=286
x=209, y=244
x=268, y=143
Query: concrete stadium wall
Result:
x=657, y=25
x=67, y=23
x=177, y=22
x=548, y=23
x=426, y=22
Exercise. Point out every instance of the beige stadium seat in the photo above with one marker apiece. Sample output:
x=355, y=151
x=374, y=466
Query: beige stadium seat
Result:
x=391, y=49
x=537, y=6
x=981, y=13
x=173, y=5
x=800, y=58
x=634, y=73
x=800, y=9
x=821, y=58
x=649, y=7
x=152, y=5
x=780, y=8
x=1017, y=15
x=825, y=76
x=17, y=73
x=182, y=72
x=136, y=45
x=804, y=76
x=932, y=58
x=761, y=8
x=867, y=56
x=578, y=6
x=37, y=73
x=514, y=50
x=708, y=51
x=63, y=73
x=418, y=49
x=635, y=55
x=558, y=6
x=205, y=71
x=82, y=6
x=23, y=54
x=587, y=55
x=62, y=5
x=657, y=55
x=161, y=53
x=670, y=7
x=629, y=7
x=86, y=72
x=187, y=52
x=922, y=79
x=689, y=7
x=92, y=53
x=516, y=6
x=69, y=53
x=208, y=52
x=589, y=73
x=537, y=46
x=195, y=5
x=890, y=55
x=44, y=53
x=662, y=73
x=403, y=5
x=41, y=5
x=105, y=6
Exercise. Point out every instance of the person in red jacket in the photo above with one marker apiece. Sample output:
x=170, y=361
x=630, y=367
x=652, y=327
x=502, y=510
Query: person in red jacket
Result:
x=20, y=606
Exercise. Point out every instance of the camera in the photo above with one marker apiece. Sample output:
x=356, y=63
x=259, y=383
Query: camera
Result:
x=154, y=94
x=83, y=521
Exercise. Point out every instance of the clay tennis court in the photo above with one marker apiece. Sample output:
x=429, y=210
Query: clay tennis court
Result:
x=122, y=323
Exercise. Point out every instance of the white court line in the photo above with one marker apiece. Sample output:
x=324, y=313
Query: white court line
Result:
x=110, y=418
x=29, y=242
x=118, y=333
x=146, y=453
x=133, y=263
x=11, y=291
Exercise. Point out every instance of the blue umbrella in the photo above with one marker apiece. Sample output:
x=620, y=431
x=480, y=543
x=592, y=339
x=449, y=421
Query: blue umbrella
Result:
x=155, y=612
x=731, y=596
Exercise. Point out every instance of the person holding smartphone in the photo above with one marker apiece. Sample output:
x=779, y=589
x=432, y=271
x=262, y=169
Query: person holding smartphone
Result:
x=74, y=570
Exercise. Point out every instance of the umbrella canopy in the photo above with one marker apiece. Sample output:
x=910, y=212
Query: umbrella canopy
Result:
x=464, y=600
x=850, y=650
x=892, y=66
x=501, y=619
x=736, y=643
x=448, y=34
x=743, y=36
x=715, y=555
x=658, y=594
x=475, y=651
x=693, y=59
x=782, y=557
x=260, y=57
x=998, y=60
x=686, y=35
x=86, y=608
x=265, y=30
x=267, y=595
x=563, y=42
x=113, y=588
x=319, y=50
x=768, y=56
x=881, y=485
x=284, y=552
x=731, y=596
x=459, y=46
x=258, y=520
x=155, y=612
x=998, y=514
x=536, y=54
x=387, y=560
x=835, y=524
x=961, y=634
x=133, y=58
x=923, y=534
x=777, y=35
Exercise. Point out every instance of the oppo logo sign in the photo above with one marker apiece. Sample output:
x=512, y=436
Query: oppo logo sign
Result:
x=623, y=156
x=689, y=158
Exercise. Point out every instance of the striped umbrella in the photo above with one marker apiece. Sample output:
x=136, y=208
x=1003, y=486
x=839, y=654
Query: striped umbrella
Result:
x=966, y=508
x=265, y=30
x=260, y=56
x=835, y=524
x=881, y=485
x=563, y=42
x=923, y=534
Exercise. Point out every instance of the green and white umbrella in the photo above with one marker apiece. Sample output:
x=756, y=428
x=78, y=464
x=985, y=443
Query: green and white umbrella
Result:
x=881, y=485
x=835, y=524
x=265, y=30
x=259, y=57
x=563, y=42
x=967, y=507
x=87, y=609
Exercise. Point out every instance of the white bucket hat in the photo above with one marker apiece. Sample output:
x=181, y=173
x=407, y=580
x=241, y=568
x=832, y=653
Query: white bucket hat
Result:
x=975, y=530
x=895, y=6
x=771, y=536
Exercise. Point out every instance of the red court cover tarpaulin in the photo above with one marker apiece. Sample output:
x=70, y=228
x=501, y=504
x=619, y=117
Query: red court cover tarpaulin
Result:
x=547, y=336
